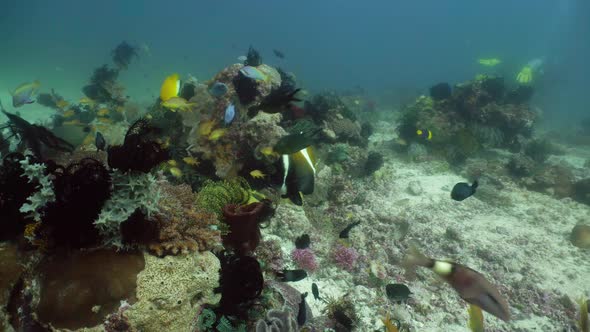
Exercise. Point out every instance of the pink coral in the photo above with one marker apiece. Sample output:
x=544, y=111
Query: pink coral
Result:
x=345, y=257
x=305, y=259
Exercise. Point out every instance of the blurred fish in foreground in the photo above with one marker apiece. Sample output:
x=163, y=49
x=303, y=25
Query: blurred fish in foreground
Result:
x=24, y=93
x=471, y=286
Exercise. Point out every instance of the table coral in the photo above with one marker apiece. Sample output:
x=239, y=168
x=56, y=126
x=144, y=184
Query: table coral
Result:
x=171, y=290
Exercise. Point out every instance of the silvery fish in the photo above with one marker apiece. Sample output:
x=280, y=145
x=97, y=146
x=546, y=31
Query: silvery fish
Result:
x=24, y=93
x=218, y=89
x=253, y=73
x=230, y=114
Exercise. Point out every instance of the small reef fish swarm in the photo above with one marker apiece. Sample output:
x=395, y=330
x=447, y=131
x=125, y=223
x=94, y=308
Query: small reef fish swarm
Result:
x=227, y=202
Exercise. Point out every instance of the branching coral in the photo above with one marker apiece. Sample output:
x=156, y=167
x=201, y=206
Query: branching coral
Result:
x=130, y=192
x=181, y=227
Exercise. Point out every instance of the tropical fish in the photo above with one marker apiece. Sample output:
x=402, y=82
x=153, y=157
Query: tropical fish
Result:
x=100, y=142
x=471, y=286
x=425, y=134
x=299, y=175
x=344, y=233
x=218, y=89
x=102, y=112
x=217, y=134
x=302, y=312
x=291, y=275
x=489, y=62
x=295, y=142
x=397, y=292
x=172, y=163
x=253, y=73
x=62, y=104
x=177, y=103
x=170, y=87
x=230, y=113
x=389, y=325
x=302, y=242
x=191, y=161
x=463, y=190
x=24, y=93
x=257, y=174
x=315, y=291
x=206, y=127
x=268, y=151
x=69, y=113
x=279, y=54
x=475, y=318
x=86, y=101
x=75, y=122
x=176, y=172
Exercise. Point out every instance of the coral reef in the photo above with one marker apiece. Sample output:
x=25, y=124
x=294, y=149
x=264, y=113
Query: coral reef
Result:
x=130, y=192
x=104, y=88
x=170, y=291
x=345, y=257
x=214, y=196
x=12, y=268
x=36, y=173
x=270, y=255
x=181, y=227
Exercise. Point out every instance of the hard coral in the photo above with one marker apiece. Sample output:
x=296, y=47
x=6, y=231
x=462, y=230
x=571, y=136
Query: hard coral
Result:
x=181, y=227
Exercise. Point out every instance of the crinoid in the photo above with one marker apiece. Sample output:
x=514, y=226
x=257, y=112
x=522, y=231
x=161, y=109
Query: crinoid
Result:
x=140, y=150
x=279, y=99
x=34, y=137
x=123, y=54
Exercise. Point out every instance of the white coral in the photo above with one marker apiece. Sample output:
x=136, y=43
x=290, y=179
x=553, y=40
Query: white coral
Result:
x=44, y=194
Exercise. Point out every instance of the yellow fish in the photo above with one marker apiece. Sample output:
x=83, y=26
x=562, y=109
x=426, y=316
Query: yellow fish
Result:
x=72, y=123
x=68, y=113
x=475, y=318
x=427, y=134
x=61, y=103
x=104, y=120
x=191, y=161
x=102, y=112
x=257, y=174
x=217, y=134
x=206, y=127
x=268, y=151
x=489, y=62
x=170, y=87
x=176, y=172
x=172, y=163
x=389, y=325
x=177, y=103
x=86, y=101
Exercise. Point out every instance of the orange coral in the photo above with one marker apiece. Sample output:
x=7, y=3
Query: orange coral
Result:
x=182, y=228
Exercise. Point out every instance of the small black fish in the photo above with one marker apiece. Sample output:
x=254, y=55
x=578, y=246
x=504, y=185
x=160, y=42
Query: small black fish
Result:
x=279, y=54
x=462, y=190
x=344, y=232
x=291, y=275
x=315, y=291
x=302, y=314
x=302, y=242
x=87, y=129
x=100, y=142
x=397, y=292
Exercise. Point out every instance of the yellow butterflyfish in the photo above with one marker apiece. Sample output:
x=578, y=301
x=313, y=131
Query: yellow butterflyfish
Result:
x=217, y=134
x=170, y=87
x=257, y=174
